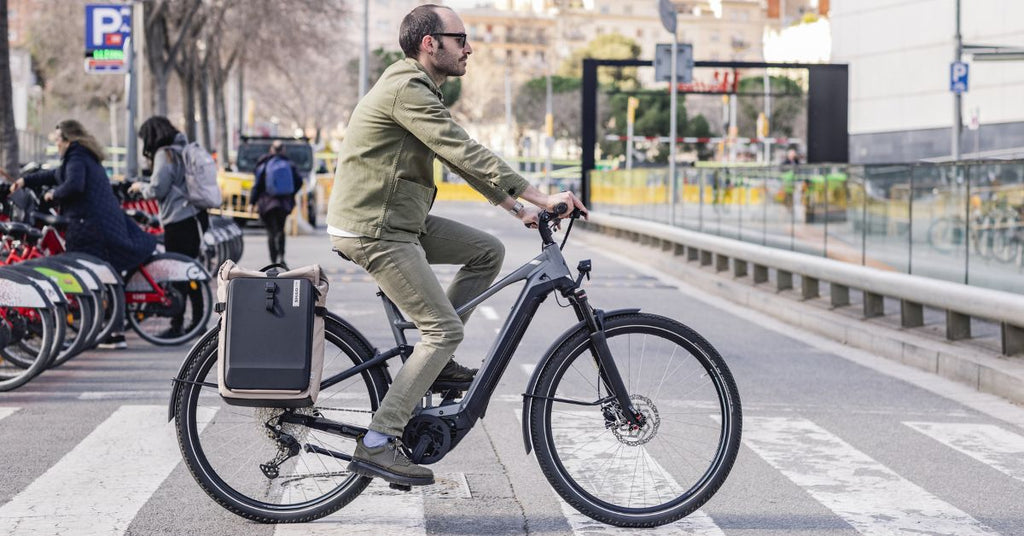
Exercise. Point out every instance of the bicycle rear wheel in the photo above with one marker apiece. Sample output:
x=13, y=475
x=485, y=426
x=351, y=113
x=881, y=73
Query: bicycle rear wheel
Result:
x=228, y=448
x=190, y=301
x=668, y=467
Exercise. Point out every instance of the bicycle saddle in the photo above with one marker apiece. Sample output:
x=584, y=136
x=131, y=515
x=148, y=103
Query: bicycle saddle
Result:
x=60, y=222
x=21, y=231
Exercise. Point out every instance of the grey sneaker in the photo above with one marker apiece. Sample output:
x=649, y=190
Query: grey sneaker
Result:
x=389, y=463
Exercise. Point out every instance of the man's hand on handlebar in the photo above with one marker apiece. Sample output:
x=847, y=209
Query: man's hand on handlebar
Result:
x=571, y=203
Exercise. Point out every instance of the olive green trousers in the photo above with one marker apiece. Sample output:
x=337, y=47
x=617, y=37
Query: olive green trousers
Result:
x=402, y=270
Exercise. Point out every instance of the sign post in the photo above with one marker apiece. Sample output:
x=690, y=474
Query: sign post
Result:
x=667, y=11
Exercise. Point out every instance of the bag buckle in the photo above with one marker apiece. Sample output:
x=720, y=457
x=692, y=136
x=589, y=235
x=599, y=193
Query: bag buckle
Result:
x=271, y=289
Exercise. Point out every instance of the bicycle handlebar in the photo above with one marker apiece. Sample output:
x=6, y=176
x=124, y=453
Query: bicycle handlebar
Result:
x=545, y=218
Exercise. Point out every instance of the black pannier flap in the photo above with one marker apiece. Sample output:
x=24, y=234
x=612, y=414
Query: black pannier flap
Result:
x=269, y=336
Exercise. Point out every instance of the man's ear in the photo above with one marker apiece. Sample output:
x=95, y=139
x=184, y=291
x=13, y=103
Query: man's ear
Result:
x=427, y=44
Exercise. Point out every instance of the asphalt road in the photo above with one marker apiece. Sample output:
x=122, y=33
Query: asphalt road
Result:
x=835, y=441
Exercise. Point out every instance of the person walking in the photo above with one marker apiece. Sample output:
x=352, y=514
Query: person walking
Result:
x=273, y=193
x=82, y=190
x=162, y=145
x=378, y=217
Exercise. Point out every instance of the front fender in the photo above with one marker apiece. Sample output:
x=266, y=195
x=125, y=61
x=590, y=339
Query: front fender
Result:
x=185, y=364
x=531, y=388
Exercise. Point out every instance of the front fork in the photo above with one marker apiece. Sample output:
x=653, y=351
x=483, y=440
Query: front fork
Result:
x=610, y=377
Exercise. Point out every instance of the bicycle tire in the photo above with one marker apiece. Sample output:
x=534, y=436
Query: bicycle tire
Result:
x=224, y=453
x=25, y=327
x=80, y=327
x=151, y=323
x=686, y=385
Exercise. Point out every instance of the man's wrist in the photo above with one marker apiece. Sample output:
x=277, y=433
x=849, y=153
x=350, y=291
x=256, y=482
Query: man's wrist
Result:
x=516, y=209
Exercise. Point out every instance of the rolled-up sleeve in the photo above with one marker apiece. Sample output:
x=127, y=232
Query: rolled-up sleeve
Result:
x=421, y=112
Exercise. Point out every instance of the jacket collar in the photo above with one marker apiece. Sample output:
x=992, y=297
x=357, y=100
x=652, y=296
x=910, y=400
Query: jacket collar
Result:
x=430, y=81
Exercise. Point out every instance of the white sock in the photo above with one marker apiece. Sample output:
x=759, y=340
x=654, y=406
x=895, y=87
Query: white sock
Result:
x=374, y=439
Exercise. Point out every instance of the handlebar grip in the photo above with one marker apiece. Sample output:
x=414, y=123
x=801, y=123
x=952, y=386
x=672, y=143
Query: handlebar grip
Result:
x=560, y=208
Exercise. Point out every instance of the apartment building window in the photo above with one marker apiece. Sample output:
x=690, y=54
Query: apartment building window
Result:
x=715, y=37
x=628, y=10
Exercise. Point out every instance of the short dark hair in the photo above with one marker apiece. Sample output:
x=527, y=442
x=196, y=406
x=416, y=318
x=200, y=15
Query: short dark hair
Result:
x=420, y=22
x=156, y=132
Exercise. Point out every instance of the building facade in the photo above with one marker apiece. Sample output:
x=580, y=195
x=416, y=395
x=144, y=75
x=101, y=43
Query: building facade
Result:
x=901, y=106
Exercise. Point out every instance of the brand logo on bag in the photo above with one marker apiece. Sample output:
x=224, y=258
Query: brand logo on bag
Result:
x=296, y=294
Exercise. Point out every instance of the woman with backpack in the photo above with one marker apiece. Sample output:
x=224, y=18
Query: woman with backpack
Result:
x=162, y=145
x=273, y=193
x=82, y=190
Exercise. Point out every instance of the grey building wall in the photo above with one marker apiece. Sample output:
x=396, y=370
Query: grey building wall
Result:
x=914, y=145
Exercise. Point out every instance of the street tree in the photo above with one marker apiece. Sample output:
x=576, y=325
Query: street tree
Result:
x=54, y=41
x=611, y=46
x=787, y=105
x=531, y=106
x=8, y=133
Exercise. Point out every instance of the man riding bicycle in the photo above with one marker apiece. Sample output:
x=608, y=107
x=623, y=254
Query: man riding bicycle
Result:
x=378, y=217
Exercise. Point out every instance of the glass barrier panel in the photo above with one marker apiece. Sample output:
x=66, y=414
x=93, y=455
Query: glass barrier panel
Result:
x=994, y=226
x=885, y=219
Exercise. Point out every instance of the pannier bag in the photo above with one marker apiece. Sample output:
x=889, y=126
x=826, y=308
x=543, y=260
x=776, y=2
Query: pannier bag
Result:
x=271, y=348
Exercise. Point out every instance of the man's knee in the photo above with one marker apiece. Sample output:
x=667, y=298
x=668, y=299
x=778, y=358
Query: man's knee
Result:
x=448, y=332
x=494, y=253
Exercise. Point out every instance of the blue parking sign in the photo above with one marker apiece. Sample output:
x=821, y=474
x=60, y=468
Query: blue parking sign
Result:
x=107, y=29
x=958, y=77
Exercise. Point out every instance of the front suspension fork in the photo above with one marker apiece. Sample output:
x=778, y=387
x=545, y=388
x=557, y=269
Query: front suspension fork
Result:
x=610, y=377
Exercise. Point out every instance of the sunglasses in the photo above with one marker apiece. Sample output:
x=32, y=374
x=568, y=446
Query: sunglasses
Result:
x=460, y=38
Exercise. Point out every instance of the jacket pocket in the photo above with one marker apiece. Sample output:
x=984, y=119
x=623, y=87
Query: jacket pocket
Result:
x=408, y=206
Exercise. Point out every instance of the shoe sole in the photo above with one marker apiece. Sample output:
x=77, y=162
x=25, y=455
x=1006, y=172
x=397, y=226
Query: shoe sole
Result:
x=362, y=468
x=446, y=385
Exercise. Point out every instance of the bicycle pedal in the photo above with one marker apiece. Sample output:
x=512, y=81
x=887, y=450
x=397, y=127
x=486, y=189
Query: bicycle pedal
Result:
x=400, y=487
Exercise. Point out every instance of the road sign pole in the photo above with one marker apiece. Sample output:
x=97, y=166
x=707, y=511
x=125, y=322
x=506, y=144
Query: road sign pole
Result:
x=130, y=142
x=672, y=133
x=957, y=113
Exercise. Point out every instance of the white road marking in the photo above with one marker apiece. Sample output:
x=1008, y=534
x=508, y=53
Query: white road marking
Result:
x=585, y=458
x=7, y=412
x=528, y=368
x=989, y=444
x=99, y=486
x=378, y=510
x=866, y=494
x=382, y=510
x=488, y=312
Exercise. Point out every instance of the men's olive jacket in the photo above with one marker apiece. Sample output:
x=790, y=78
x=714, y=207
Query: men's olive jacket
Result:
x=384, y=183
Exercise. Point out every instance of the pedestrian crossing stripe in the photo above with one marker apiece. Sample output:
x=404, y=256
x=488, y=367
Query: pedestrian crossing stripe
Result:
x=989, y=444
x=4, y=412
x=866, y=494
x=100, y=485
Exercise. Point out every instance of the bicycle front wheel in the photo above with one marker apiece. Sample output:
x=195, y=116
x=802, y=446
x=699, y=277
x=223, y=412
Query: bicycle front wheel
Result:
x=661, y=471
x=255, y=465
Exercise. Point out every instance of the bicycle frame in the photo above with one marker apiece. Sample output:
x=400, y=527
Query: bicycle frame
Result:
x=546, y=273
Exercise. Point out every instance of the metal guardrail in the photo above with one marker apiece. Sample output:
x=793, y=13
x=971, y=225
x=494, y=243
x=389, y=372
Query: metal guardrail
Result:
x=960, y=302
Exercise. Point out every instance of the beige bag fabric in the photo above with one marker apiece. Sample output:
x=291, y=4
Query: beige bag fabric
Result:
x=274, y=398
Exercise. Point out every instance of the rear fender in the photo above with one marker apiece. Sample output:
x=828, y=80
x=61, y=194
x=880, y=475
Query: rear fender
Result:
x=166, y=267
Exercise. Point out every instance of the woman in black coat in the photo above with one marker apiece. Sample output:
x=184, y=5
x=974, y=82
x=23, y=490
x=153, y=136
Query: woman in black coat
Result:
x=81, y=188
x=98, y=225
